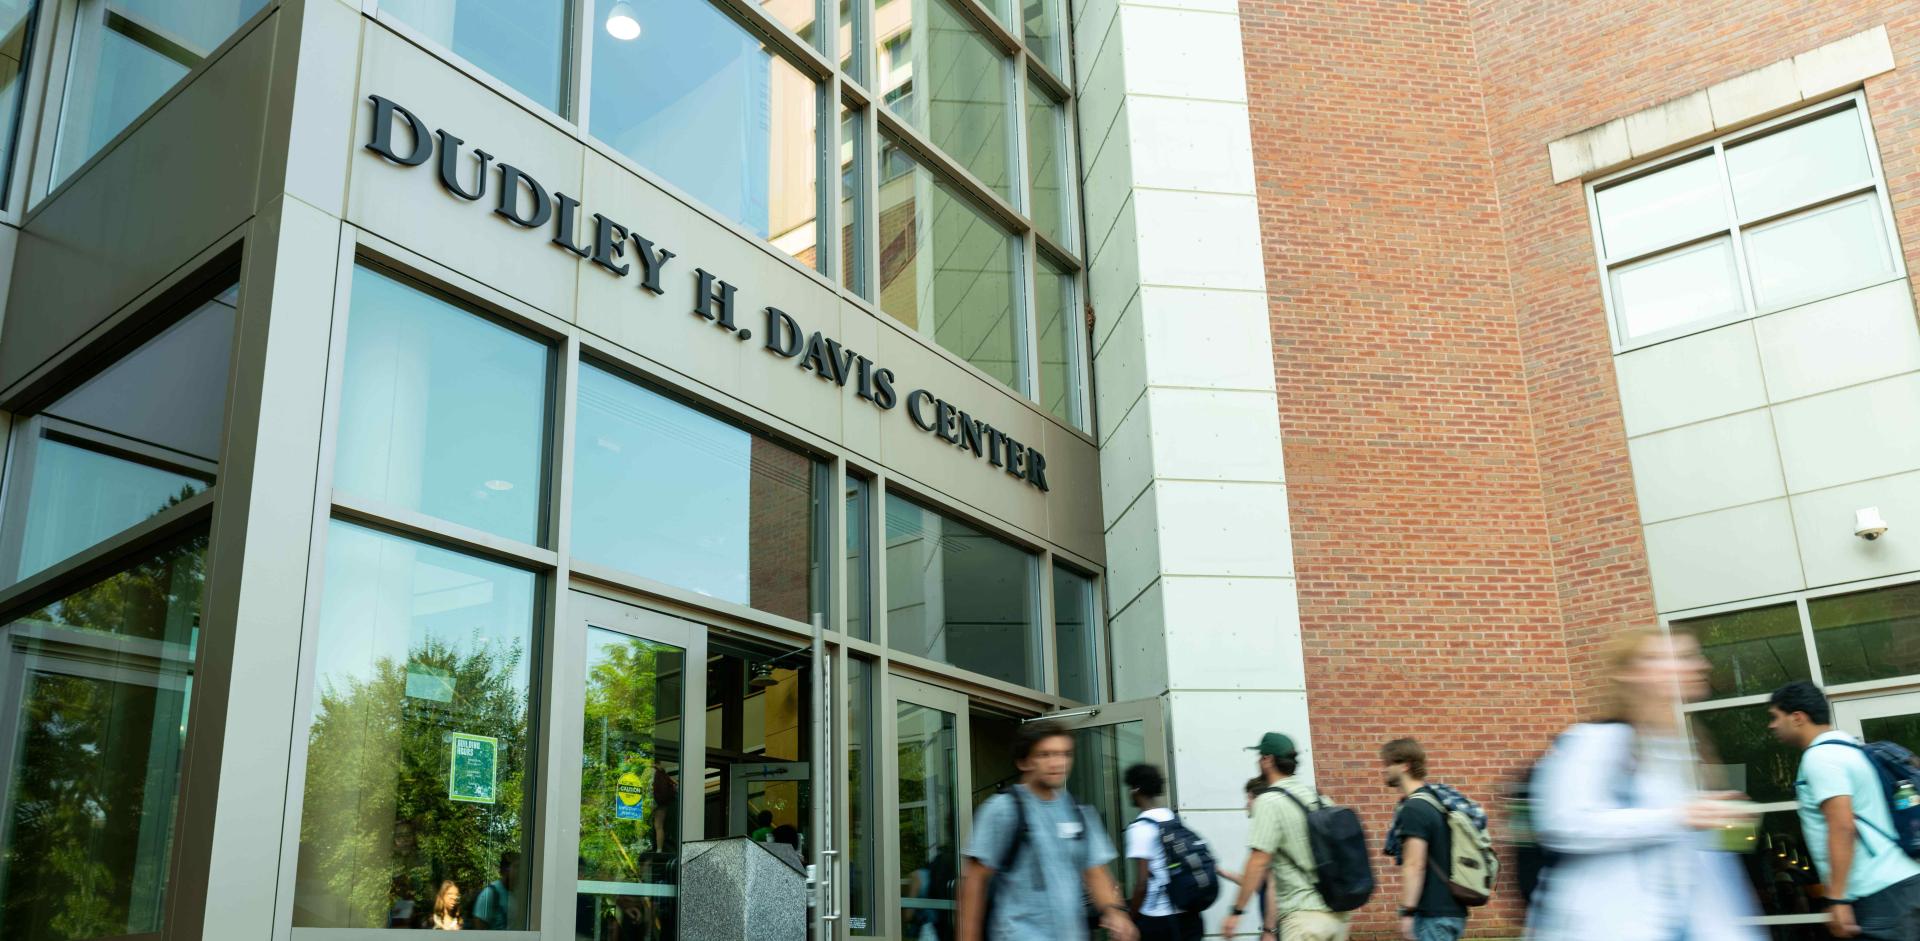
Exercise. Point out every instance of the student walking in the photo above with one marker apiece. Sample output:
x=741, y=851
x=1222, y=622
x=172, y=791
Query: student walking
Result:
x=1037, y=856
x=1615, y=800
x=1279, y=844
x=1872, y=885
x=1155, y=912
x=1422, y=842
x=1263, y=899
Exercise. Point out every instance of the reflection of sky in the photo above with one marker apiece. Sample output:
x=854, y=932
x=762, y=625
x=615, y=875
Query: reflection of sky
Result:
x=690, y=100
x=660, y=490
x=81, y=496
x=386, y=596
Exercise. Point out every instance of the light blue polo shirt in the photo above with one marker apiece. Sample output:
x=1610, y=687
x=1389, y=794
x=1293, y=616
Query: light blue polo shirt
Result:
x=1829, y=771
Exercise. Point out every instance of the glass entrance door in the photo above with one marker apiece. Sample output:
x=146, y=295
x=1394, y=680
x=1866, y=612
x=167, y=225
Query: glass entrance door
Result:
x=642, y=766
x=927, y=781
x=1894, y=718
x=1106, y=741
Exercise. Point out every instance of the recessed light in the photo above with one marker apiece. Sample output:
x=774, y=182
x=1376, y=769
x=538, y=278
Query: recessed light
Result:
x=499, y=485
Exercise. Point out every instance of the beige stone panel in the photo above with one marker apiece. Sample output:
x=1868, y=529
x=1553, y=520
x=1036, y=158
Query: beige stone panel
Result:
x=1073, y=503
x=860, y=421
x=409, y=206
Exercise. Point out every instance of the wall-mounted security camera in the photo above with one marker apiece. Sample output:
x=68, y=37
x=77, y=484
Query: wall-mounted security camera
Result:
x=1868, y=525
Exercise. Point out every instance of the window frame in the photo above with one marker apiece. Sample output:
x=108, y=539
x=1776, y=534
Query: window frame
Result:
x=1738, y=225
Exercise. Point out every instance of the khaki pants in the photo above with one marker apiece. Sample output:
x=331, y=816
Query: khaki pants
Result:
x=1313, y=926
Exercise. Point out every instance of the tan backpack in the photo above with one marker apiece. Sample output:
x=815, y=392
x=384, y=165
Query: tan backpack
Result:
x=1471, y=871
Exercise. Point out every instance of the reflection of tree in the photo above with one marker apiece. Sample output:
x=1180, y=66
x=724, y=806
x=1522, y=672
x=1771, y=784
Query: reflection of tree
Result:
x=1739, y=736
x=625, y=690
x=378, y=821
x=79, y=863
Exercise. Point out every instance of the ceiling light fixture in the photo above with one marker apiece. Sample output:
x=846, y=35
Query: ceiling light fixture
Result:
x=621, y=23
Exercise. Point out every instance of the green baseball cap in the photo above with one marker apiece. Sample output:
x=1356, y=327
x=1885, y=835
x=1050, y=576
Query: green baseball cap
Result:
x=1275, y=744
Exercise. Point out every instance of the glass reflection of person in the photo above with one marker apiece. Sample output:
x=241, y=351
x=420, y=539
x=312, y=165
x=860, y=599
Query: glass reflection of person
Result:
x=446, y=907
x=411, y=883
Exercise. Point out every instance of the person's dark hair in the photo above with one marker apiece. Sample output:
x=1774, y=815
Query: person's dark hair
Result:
x=1406, y=751
x=509, y=858
x=1145, y=779
x=1256, y=784
x=1802, y=696
x=1032, y=734
x=763, y=819
x=1287, y=764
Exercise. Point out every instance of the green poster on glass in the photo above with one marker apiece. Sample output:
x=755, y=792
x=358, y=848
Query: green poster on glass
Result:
x=470, y=773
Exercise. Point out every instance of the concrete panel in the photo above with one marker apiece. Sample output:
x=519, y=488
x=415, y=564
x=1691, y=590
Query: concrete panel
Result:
x=1200, y=434
x=1754, y=95
x=1707, y=466
x=67, y=261
x=1669, y=123
x=1073, y=506
x=859, y=421
x=1833, y=554
x=1126, y=463
x=1214, y=729
x=1841, y=341
x=1223, y=528
x=1138, y=643
x=313, y=108
x=1108, y=178
x=1199, y=240
x=1728, y=555
x=1113, y=271
x=1843, y=63
x=1203, y=146
x=1092, y=23
x=1257, y=619
x=408, y=204
x=1691, y=379
x=1207, y=339
x=1119, y=368
x=1588, y=151
x=1182, y=54
x=1851, y=434
x=1133, y=552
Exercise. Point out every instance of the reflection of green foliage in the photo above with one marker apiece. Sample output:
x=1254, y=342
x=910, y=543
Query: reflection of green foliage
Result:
x=80, y=863
x=1755, y=650
x=377, y=761
x=628, y=688
x=1739, y=736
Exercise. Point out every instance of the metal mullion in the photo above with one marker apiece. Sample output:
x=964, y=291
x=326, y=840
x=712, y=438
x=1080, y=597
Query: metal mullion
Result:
x=854, y=93
x=155, y=529
x=868, y=169
x=580, y=75
x=1688, y=241
x=1055, y=85
x=972, y=684
x=32, y=120
x=1023, y=187
x=1806, y=634
x=984, y=20
x=1058, y=253
x=1729, y=702
x=930, y=158
x=1871, y=142
x=827, y=194
x=416, y=525
x=1826, y=198
x=877, y=620
x=788, y=45
x=1044, y=622
x=562, y=666
x=630, y=589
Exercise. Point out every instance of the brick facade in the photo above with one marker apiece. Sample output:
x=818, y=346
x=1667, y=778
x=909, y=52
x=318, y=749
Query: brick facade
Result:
x=1466, y=531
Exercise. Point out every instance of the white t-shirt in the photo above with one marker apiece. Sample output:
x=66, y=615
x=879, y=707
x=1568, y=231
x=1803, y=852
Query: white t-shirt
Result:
x=1143, y=842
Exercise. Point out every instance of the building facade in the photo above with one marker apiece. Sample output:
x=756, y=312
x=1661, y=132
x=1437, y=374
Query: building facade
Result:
x=461, y=453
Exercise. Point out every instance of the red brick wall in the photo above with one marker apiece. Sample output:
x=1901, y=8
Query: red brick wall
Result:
x=1464, y=522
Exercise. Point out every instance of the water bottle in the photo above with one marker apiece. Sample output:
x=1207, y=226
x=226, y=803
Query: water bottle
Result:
x=1904, y=796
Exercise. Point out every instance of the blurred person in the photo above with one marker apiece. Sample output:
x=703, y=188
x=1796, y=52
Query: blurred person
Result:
x=446, y=907
x=1279, y=847
x=494, y=907
x=1615, y=800
x=1052, y=852
x=1421, y=841
x=1872, y=885
x=1263, y=898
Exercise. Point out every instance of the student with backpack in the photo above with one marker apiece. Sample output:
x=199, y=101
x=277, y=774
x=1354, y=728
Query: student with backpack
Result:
x=1315, y=850
x=1616, y=802
x=1439, y=838
x=1175, y=877
x=1861, y=816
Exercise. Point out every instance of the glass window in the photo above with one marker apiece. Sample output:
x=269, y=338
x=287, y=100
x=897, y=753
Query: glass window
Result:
x=630, y=774
x=709, y=80
x=1661, y=208
x=1694, y=284
x=958, y=595
x=1801, y=164
x=521, y=42
x=1868, y=635
x=420, y=760
x=859, y=568
x=759, y=741
x=955, y=91
x=1781, y=869
x=126, y=54
x=1046, y=150
x=1754, y=651
x=853, y=52
x=1819, y=253
x=1043, y=21
x=1076, y=629
x=684, y=498
x=136, y=438
x=443, y=411
x=928, y=835
x=1059, y=328
x=853, y=204
x=964, y=297
x=863, y=796
x=16, y=42
x=98, y=717
x=1736, y=748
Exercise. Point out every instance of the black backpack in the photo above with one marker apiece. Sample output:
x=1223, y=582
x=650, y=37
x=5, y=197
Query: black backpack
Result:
x=1193, y=879
x=1342, y=870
